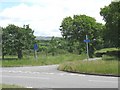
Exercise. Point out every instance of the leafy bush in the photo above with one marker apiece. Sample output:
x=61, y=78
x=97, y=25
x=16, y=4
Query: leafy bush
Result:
x=107, y=51
x=113, y=53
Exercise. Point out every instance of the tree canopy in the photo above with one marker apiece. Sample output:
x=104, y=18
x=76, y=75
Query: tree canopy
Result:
x=16, y=39
x=74, y=29
x=111, y=15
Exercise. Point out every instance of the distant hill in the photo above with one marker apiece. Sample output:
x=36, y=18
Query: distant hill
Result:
x=47, y=38
x=43, y=38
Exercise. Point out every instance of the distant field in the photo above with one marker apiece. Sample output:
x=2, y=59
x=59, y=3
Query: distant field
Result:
x=42, y=60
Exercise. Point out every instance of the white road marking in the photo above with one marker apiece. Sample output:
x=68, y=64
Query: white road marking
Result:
x=10, y=71
x=71, y=74
x=36, y=72
x=81, y=75
x=50, y=73
x=26, y=77
x=29, y=87
x=19, y=71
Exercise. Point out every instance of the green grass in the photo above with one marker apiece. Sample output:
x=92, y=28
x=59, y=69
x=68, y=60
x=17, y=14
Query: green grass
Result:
x=92, y=67
x=107, y=57
x=9, y=86
x=42, y=60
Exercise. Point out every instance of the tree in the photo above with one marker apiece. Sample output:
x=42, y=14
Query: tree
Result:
x=75, y=29
x=15, y=39
x=0, y=41
x=111, y=15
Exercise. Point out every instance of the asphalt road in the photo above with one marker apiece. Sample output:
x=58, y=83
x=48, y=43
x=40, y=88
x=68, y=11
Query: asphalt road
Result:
x=50, y=77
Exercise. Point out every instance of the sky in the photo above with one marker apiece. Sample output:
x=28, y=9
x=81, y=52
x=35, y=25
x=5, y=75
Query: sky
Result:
x=45, y=16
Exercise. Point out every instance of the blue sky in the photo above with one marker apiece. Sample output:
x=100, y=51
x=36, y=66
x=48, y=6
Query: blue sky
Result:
x=4, y=5
x=45, y=16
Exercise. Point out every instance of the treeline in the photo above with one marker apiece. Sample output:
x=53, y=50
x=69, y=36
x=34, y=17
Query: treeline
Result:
x=73, y=29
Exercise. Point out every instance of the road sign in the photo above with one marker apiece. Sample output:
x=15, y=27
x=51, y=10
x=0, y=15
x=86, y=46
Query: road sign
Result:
x=87, y=41
x=35, y=46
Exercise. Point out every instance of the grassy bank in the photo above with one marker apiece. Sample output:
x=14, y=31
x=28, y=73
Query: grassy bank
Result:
x=93, y=67
x=42, y=60
x=108, y=65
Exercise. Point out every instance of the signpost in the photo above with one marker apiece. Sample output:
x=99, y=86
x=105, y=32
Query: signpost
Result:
x=35, y=50
x=87, y=41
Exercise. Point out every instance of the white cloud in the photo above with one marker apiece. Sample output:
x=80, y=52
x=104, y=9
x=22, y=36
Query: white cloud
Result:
x=45, y=16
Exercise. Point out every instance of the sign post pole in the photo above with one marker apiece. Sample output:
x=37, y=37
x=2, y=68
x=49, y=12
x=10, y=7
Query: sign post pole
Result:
x=35, y=50
x=87, y=48
x=35, y=55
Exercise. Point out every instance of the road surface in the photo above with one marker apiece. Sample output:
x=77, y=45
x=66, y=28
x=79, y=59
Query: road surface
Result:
x=50, y=77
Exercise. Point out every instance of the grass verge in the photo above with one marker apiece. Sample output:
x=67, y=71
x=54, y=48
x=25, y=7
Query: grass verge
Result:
x=42, y=60
x=100, y=67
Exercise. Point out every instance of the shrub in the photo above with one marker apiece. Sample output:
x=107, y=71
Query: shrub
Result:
x=107, y=51
x=113, y=53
